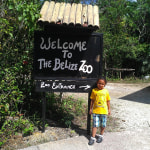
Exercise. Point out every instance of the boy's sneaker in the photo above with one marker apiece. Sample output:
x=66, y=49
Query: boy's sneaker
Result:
x=91, y=142
x=99, y=139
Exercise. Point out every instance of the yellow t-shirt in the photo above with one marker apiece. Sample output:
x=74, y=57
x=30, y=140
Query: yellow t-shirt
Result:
x=100, y=98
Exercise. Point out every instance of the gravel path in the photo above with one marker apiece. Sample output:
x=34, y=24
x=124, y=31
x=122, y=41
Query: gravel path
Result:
x=132, y=115
x=131, y=104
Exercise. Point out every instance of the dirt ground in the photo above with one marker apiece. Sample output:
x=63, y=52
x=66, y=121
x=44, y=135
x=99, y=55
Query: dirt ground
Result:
x=127, y=101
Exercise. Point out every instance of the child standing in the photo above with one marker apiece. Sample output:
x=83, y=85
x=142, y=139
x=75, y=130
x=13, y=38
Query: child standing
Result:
x=100, y=108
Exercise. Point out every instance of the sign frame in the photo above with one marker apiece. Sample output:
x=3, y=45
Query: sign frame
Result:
x=85, y=82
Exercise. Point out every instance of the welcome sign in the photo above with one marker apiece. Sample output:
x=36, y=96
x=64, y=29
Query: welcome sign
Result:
x=67, y=56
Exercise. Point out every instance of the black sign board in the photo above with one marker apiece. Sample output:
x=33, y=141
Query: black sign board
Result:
x=66, y=56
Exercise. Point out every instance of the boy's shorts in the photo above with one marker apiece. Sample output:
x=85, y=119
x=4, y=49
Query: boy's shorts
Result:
x=99, y=120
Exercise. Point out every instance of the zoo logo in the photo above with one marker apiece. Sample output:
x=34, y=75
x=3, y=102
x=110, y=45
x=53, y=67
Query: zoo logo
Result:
x=85, y=68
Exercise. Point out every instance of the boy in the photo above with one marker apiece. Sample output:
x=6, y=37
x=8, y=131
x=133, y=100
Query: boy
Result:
x=100, y=107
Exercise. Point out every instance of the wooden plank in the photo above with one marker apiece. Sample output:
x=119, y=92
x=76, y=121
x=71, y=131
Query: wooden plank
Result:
x=84, y=15
x=120, y=69
x=96, y=16
x=61, y=13
x=78, y=14
x=50, y=11
x=67, y=14
x=44, y=11
x=72, y=14
x=55, y=13
x=90, y=16
x=64, y=85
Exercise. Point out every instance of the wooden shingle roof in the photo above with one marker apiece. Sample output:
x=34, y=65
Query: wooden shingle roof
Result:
x=70, y=14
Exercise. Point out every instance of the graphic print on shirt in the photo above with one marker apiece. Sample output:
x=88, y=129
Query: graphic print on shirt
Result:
x=100, y=100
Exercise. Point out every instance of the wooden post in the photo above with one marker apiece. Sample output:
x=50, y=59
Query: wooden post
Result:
x=49, y=13
x=67, y=14
x=55, y=13
x=72, y=14
x=90, y=15
x=78, y=14
x=43, y=11
x=43, y=111
x=61, y=97
x=61, y=12
x=84, y=15
x=96, y=16
x=88, y=116
x=120, y=74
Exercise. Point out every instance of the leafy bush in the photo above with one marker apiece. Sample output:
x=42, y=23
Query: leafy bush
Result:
x=64, y=110
x=13, y=126
x=16, y=48
x=11, y=96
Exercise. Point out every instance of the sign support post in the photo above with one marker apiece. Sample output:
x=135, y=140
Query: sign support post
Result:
x=43, y=111
x=88, y=115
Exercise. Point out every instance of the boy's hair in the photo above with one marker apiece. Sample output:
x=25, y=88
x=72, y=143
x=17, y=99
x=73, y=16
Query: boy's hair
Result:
x=102, y=78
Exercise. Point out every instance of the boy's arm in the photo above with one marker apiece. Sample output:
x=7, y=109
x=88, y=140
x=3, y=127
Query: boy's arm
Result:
x=91, y=107
x=108, y=105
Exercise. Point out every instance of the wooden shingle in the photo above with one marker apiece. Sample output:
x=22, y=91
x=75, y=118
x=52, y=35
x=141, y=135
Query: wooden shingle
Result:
x=83, y=15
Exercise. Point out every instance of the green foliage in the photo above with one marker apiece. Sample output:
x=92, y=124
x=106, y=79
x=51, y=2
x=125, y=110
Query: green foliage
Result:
x=13, y=126
x=11, y=96
x=17, y=24
x=146, y=63
x=16, y=50
x=64, y=110
x=126, y=34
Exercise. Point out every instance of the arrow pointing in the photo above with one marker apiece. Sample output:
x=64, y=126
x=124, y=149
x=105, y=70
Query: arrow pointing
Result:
x=86, y=87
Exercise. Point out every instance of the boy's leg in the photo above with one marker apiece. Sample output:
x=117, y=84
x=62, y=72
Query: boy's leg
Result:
x=103, y=125
x=92, y=139
x=96, y=123
x=102, y=131
x=100, y=137
x=94, y=130
x=103, y=120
